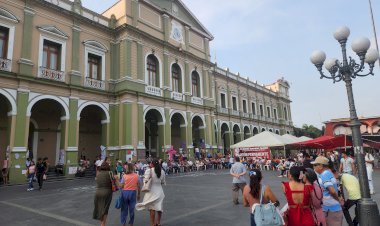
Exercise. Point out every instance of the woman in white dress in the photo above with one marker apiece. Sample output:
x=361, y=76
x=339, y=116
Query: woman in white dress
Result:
x=153, y=200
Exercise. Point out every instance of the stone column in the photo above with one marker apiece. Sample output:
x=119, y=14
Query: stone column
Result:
x=166, y=21
x=75, y=74
x=26, y=65
x=189, y=140
x=135, y=12
x=141, y=131
x=71, y=154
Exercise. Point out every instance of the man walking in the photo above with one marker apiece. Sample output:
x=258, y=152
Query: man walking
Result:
x=347, y=164
x=351, y=184
x=238, y=172
x=369, y=161
x=41, y=170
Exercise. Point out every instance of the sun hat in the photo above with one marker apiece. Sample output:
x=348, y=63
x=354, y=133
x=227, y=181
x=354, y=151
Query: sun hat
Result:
x=321, y=160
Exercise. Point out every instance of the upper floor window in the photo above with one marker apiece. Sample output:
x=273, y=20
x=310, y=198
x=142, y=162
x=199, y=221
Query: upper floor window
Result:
x=152, y=68
x=195, y=84
x=268, y=112
x=51, y=58
x=275, y=113
x=94, y=66
x=244, y=106
x=223, y=100
x=261, y=110
x=285, y=113
x=234, y=104
x=253, y=108
x=4, y=37
x=176, y=78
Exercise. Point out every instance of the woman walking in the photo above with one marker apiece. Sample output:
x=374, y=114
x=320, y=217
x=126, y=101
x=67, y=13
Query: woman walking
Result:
x=103, y=195
x=154, y=199
x=129, y=184
x=252, y=192
x=31, y=170
x=316, y=197
x=298, y=195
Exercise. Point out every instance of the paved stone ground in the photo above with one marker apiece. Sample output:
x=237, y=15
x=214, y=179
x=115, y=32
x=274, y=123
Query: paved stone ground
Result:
x=200, y=198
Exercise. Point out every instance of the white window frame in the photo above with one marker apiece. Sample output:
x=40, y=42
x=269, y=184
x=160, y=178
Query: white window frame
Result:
x=200, y=83
x=225, y=99
x=11, y=39
x=89, y=49
x=159, y=69
x=237, y=102
x=182, y=76
x=61, y=41
x=254, y=111
x=242, y=105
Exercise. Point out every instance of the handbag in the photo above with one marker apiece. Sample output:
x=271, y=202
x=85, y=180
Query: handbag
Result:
x=113, y=182
x=147, y=184
x=119, y=201
x=266, y=214
x=44, y=177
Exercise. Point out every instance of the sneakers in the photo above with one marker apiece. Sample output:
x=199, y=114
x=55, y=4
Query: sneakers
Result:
x=279, y=176
x=30, y=189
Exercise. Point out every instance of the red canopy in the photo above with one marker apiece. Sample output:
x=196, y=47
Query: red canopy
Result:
x=323, y=142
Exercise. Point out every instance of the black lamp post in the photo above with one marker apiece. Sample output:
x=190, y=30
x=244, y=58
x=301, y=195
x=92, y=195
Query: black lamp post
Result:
x=346, y=71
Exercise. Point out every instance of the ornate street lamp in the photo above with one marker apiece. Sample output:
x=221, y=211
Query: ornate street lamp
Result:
x=346, y=71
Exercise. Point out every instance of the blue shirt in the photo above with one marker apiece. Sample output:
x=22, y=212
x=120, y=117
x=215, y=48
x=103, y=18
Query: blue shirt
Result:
x=329, y=203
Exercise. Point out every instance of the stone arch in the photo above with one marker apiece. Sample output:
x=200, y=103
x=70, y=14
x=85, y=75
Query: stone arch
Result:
x=178, y=112
x=11, y=100
x=88, y=103
x=255, y=130
x=160, y=110
x=201, y=117
x=34, y=100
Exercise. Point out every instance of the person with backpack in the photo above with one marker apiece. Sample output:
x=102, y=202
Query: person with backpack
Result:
x=255, y=194
x=298, y=196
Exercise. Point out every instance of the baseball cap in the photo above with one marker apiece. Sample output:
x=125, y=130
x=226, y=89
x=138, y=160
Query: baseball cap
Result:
x=321, y=160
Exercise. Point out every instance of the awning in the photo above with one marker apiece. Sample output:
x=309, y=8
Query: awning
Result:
x=323, y=142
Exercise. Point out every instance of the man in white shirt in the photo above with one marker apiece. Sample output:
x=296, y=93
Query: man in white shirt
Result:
x=369, y=160
x=347, y=164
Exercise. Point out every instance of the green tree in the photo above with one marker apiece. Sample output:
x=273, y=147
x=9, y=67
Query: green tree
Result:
x=308, y=131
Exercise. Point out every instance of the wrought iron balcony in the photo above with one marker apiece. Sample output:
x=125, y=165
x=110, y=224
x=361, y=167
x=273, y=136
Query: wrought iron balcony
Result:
x=197, y=100
x=177, y=96
x=52, y=74
x=245, y=115
x=94, y=83
x=5, y=64
x=156, y=91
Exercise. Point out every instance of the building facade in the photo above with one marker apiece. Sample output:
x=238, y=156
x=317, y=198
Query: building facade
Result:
x=134, y=80
x=369, y=126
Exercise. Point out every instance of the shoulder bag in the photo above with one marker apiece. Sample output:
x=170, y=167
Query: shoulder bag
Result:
x=113, y=182
x=266, y=214
x=147, y=183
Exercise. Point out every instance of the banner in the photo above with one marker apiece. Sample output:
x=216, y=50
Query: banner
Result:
x=255, y=152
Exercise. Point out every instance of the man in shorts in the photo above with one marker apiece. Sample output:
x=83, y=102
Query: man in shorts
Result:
x=238, y=172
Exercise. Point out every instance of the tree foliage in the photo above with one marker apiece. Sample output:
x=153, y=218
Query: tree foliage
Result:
x=308, y=131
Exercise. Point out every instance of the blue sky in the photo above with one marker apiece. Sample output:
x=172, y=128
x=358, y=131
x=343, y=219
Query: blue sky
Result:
x=269, y=39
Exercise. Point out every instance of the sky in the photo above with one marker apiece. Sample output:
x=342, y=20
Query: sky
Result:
x=269, y=39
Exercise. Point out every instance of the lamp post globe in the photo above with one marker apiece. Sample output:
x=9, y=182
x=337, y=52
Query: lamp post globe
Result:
x=347, y=71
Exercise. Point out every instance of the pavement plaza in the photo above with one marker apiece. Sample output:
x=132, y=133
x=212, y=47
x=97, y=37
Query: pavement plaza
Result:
x=198, y=198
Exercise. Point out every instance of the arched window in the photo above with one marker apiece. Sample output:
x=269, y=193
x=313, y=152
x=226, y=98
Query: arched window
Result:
x=152, y=68
x=176, y=78
x=195, y=84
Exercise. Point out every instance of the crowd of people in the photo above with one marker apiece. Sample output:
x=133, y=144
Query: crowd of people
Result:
x=314, y=191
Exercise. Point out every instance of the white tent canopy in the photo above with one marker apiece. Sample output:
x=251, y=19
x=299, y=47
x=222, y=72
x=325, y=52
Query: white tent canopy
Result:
x=291, y=138
x=263, y=139
x=304, y=138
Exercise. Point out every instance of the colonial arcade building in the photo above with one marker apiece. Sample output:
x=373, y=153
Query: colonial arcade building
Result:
x=136, y=80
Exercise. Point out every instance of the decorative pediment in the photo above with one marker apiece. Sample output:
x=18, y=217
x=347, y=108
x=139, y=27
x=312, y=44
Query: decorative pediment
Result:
x=233, y=92
x=96, y=45
x=178, y=10
x=222, y=88
x=53, y=30
x=5, y=14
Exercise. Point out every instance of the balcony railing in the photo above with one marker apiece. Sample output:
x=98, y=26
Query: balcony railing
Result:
x=5, y=64
x=52, y=74
x=156, y=91
x=234, y=112
x=94, y=83
x=245, y=115
x=177, y=96
x=223, y=110
x=197, y=100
